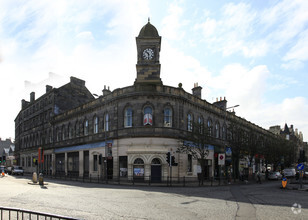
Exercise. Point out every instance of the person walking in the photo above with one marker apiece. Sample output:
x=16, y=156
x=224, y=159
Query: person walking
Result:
x=259, y=177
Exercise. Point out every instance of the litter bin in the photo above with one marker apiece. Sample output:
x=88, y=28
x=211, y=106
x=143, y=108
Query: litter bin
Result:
x=41, y=179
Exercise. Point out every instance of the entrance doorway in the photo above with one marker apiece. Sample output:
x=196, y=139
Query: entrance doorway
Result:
x=156, y=170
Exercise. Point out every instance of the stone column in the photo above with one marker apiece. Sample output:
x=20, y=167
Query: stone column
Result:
x=53, y=162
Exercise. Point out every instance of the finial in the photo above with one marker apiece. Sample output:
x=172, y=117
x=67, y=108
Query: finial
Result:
x=149, y=19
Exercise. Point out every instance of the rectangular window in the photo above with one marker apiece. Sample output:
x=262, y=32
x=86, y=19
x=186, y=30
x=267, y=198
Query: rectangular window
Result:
x=189, y=163
x=86, y=127
x=167, y=117
x=95, y=125
x=106, y=125
x=128, y=118
x=94, y=162
x=123, y=166
x=29, y=162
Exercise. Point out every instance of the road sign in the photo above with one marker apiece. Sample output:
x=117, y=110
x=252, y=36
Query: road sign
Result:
x=221, y=159
x=300, y=166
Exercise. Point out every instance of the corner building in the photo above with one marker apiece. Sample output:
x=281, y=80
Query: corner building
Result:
x=125, y=133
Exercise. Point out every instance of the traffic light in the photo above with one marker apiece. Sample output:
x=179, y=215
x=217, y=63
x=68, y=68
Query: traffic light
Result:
x=173, y=163
x=100, y=159
x=168, y=157
x=3, y=159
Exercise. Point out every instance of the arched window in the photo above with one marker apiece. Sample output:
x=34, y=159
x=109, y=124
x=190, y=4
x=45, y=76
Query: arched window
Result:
x=128, y=117
x=167, y=117
x=217, y=130
x=138, y=169
x=77, y=129
x=155, y=161
x=201, y=124
x=147, y=116
x=189, y=122
x=224, y=132
x=106, y=122
x=70, y=132
x=138, y=161
x=95, y=122
x=63, y=133
x=86, y=127
x=210, y=127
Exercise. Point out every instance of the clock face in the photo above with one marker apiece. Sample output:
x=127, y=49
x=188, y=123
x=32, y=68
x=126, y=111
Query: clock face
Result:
x=148, y=54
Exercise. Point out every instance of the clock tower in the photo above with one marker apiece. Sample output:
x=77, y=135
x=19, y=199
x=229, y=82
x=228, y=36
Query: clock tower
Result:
x=148, y=48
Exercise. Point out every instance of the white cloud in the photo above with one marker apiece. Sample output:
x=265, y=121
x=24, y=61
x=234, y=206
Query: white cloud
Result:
x=172, y=23
x=299, y=51
x=290, y=110
x=242, y=85
x=293, y=65
x=208, y=27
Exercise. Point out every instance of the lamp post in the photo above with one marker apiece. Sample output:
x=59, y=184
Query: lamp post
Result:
x=231, y=107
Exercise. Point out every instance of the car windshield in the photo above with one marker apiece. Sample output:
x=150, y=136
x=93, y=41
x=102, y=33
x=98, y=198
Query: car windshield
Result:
x=288, y=170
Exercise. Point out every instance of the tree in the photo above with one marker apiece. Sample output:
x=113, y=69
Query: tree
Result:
x=197, y=145
x=237, y=139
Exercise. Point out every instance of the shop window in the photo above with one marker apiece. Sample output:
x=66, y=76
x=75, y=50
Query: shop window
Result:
x=138, y=168
x=167, y=117
x=128, y=118
x=123, y=166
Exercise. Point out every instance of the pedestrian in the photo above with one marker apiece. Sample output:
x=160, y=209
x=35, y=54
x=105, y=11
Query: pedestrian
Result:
x=258, y=177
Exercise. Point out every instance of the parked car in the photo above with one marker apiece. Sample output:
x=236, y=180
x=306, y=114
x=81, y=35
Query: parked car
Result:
x=15, y=170
x=274, y=175
x=289, y=172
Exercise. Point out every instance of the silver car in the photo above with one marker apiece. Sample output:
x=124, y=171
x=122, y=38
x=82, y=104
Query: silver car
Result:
x=274, y=175
x=16, y=170
x=289, y=172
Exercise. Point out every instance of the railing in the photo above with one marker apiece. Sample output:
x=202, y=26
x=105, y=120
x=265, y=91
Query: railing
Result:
x=145, y=180
x=16, y=214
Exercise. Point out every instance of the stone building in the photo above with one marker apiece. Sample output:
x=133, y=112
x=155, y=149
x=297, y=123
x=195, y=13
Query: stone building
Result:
x=125, y=133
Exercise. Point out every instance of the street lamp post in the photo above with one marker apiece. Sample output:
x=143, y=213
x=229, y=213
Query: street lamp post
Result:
x=233, y=168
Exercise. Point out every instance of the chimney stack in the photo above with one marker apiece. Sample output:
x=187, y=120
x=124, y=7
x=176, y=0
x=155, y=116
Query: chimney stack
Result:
x=48, y=88
x=197, y=90
x=106, y=91
x=32, y=96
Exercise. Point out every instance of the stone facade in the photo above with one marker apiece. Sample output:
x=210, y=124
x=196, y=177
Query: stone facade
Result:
x=125, y=133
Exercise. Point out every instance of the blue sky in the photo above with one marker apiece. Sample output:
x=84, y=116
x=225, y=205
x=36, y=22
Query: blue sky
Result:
x=254, y=53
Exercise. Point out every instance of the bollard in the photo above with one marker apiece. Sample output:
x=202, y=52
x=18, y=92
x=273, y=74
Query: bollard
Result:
x=34, y=177
x=41, y=179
